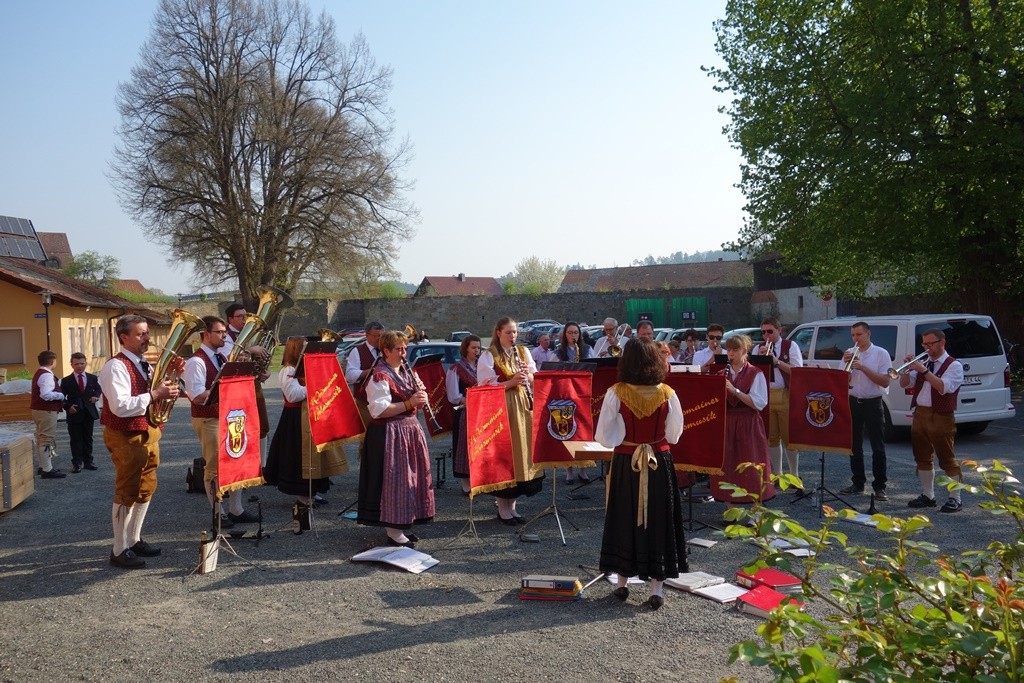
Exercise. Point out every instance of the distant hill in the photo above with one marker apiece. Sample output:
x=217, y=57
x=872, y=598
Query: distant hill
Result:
x=680, y=257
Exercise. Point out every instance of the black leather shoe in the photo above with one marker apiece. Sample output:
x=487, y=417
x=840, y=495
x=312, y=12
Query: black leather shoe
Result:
x=89, y=466
x=413, y=537
x=245, y=518
x=512, y=521
x=621, y=593
x=408, y=544
x=226, y=523
x=143, y=549
x=53, y=474
x=655, y=602
x=75, y=469
x=126, y=560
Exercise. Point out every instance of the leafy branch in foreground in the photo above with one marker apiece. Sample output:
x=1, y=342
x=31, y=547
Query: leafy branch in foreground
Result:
x=899, y=613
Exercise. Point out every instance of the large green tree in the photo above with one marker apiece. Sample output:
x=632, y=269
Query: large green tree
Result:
x=259, y=148
x=883, y=141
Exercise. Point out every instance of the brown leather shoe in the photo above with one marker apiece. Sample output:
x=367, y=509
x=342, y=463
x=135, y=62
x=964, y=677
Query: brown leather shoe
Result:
x=126, y=560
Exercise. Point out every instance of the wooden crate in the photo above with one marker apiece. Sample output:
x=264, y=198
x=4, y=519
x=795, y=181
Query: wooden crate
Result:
x=16, y=408
x=17, y=472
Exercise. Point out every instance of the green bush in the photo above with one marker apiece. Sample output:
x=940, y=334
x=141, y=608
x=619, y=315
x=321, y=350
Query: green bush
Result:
x=900, y=614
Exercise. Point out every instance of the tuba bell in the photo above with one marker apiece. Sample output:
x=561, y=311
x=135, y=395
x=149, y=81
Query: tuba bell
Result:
x=615, y=348
x=183, y=326
x=258, y=329
x=326, y=334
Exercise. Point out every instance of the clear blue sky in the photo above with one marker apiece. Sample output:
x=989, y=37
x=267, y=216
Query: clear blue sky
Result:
x=580, y=131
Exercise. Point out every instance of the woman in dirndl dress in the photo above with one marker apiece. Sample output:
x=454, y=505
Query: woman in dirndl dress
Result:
x=395, y=483
x=512, y=367
x=572, y=349
x=745, y=438
x=293, y=463
x=460, y=377
x=643, y=523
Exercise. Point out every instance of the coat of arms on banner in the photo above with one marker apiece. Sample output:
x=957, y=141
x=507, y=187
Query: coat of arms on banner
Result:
x=236, y=439
x=562, y=419
x=819, y=408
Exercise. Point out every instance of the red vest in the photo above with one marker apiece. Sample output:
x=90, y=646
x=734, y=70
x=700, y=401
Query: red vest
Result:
x=650, y=429
x=366, y=361
x=784, y=349
x=212, y=407
x=941, y=403
x=743, y=381
x=37, y=401
x=398, y=394
x=139, y=387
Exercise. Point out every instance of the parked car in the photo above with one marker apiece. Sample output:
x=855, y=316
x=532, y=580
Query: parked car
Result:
x=974, y=340
x=345, y=347
x=534, y=333
x=449, y=351
x=753, y=332
x=457, y=336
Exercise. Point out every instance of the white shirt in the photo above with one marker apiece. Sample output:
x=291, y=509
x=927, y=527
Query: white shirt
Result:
x=704, y=355
x=602, y=344
x=540, y=355
x=116, y=384
x=49, y=386
x=378, y=397
x=952, y=378
x=796, y=359
x=485, y=373
x=876, y=359
x=229, y=341
x=194, y=374
x=290, y=387
x=758, y=390
x=611, y=429
x=352, y=367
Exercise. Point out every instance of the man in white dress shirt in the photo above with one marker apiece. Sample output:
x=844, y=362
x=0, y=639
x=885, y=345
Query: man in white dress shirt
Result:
x=869, y=381
x=610, y=328
x=543, y=351
x=706, y=356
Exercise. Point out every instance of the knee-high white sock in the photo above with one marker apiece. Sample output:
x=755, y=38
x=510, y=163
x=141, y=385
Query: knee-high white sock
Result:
x=927, y=478
x=211, y=494
x=235, y=506
x=396, y=535
x=504, y=508
x=133, y=532
x=794, y=462
x=119, y=518
x=776, y=458
x=955, y=493
x=657, y=587
x=43, y=459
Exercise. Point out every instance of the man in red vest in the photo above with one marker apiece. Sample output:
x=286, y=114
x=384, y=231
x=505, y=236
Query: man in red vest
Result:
x=47, y=402
x=200, y=371
x=133, y=443
x=936, y=383
x=359, y=364
x=785, y=356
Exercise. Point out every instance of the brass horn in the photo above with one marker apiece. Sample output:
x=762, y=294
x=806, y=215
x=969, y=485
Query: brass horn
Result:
x=326, y=334
x=183, y=326
x=258, y=329
x=894, y=373
x=410, y=332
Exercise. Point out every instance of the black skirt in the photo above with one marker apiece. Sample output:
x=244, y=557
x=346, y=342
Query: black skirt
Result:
x=284, y=459
x=658, y=551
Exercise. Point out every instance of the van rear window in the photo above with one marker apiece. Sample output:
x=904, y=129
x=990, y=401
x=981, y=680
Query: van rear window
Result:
x=965, y=338
x=833, y=341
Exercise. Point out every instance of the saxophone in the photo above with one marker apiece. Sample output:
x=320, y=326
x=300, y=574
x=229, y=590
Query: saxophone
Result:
x=183, y=326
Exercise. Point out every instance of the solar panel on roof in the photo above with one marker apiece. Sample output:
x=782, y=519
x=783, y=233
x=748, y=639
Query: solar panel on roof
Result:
x=17, y=226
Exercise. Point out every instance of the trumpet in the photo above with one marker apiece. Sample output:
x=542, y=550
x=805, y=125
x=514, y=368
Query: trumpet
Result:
x=894, y=373
x=431, y=415
x=769, y=348
x=849, y=364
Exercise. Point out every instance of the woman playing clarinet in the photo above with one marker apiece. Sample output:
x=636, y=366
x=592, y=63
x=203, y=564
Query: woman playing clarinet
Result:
x=460, y=377
x=395, y=488
x=572, y=349
x=512, y=367
x=745, y=440
x=293, y=463
x=643, y=523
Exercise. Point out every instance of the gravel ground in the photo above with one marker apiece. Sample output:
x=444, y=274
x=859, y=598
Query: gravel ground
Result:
x=293, y=607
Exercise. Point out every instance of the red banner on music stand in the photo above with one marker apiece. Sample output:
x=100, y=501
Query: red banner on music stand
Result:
x=238, y=435
x=489, y=439
x=333, y=415
x=702, y=445
x=819, y=410
x=561, y=412
x=431, y=374
x=605, y=375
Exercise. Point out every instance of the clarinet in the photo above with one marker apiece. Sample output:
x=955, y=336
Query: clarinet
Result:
x=526, y=384
x=431, y=415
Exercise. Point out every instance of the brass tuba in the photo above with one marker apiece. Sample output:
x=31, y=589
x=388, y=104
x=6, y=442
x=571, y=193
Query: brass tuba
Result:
x=258, y=329
x=183, y=326
x=326, y=334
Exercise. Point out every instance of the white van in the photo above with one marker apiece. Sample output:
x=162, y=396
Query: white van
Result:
x=971, y=339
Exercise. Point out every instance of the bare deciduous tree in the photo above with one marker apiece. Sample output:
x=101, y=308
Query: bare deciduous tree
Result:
x=257, y=147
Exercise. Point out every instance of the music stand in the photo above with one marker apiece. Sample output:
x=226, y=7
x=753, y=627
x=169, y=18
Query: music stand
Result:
x=550, y=510
x=469, y=528
x=209, y=550
x=690, y=521
x=822, y=491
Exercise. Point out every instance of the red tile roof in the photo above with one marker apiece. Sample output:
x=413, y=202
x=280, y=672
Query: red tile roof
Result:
x=671, y=275
x=56, y=246
x=454, y=285
x=129, y=286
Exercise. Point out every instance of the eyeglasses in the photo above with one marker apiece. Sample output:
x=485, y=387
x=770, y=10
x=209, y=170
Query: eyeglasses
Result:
x=218, y=331
x=714, y=336
x=768, y=331
x=929, y=343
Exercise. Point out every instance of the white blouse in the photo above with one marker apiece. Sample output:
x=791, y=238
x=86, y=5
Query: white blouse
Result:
x=485, y=373
x=611, y=429
x=290, y=387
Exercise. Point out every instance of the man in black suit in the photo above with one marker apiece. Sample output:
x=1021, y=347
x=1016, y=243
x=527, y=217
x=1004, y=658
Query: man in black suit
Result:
x=81, y=393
